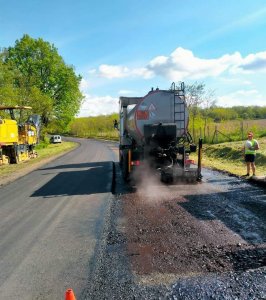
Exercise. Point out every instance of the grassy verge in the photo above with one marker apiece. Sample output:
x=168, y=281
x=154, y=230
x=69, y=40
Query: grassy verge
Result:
x=50, y=151
x=229, y=157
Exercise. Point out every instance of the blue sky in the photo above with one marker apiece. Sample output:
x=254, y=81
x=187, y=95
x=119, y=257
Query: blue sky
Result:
x=126, y=47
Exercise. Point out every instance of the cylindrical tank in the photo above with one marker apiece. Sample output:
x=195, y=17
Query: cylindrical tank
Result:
x=156, y=107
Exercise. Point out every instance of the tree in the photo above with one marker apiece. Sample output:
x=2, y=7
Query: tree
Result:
x=8, y=92
x=196, y=96
x=207, y=103
x=43, y=73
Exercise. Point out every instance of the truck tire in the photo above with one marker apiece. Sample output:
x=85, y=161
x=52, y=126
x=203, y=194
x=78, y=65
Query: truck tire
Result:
x=166, y=177
x=14, y=159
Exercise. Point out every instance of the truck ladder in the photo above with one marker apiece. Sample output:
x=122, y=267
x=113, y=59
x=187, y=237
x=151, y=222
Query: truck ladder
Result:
x=179, y=108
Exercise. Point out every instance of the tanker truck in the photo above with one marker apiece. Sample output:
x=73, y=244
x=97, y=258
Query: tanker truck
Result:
x=18, y=139
x=153, y=130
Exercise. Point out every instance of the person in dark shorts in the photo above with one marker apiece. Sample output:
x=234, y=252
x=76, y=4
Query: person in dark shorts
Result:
x=250, y=147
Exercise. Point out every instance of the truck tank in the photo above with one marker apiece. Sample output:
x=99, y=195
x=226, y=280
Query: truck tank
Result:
x=154, y=130
x=157, y=107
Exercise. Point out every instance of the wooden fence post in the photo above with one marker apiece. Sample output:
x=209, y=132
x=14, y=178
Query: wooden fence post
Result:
x=215, y=135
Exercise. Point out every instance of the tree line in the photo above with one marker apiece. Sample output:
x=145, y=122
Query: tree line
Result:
x=219, y=114
x=207, y=120
x=32, y=73
x=95, y=127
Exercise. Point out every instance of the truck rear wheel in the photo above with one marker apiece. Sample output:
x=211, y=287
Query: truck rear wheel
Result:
x=166, y=177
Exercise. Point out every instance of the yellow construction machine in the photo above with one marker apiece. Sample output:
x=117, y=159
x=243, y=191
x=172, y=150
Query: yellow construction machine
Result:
x=18, y=139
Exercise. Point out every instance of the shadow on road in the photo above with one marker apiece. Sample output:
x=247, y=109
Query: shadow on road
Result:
x=76, y=166
x=80, y=179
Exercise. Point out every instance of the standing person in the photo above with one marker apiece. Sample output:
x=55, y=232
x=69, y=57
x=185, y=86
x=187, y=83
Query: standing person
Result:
x=250, y=147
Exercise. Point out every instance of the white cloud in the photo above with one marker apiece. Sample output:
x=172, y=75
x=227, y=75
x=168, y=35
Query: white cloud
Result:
x=182, y=64
x=111, y=71
x=253, y=63
x=229, y=70
x=159, y=60
x=241, y=98
x=98, y=105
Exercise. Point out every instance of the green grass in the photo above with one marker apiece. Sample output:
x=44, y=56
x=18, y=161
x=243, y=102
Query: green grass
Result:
x=54, y=149
x=43, y=153
x=229, y=157
x=234, y=130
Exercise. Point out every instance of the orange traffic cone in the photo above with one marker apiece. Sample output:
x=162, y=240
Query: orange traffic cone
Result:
x=70, y=295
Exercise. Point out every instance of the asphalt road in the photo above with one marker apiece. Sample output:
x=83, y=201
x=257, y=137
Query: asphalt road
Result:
x=61, y=227
x=51, y=222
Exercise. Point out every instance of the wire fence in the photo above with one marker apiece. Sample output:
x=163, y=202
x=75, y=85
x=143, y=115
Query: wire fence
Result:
x=229, y=131
x=212, y=133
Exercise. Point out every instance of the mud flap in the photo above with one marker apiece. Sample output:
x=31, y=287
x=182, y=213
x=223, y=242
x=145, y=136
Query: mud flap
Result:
x=124, y=165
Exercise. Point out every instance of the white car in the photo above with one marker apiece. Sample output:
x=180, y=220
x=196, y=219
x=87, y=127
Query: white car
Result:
x=55, y=139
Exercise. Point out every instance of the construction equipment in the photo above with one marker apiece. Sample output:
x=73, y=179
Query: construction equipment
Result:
x=18, y=139
x=154, y=129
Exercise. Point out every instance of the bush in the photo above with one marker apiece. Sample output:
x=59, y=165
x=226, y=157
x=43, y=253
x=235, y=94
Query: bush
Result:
x=43, y=144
